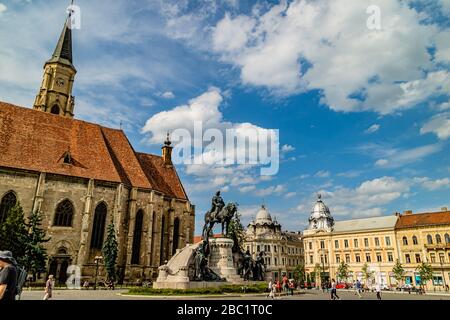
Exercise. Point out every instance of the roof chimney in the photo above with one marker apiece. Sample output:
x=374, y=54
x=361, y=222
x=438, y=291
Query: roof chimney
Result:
x=407, y=212
x=167, y=151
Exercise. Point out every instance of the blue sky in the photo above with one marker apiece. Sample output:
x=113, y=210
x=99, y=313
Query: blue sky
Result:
x=363, y=114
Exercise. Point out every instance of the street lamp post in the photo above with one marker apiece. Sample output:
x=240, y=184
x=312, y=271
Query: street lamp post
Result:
x=97, y=260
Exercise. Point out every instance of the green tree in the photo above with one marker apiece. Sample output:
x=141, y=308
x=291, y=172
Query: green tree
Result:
x=398, y=271
x=236, y=232
x=35, y=258
x=367, y=274
x=426, y=274
x=299, y=273
x=13, y=233
x=110, y=251
x=343, y=271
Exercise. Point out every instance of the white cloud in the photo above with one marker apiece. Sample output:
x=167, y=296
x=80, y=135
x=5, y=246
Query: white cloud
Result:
x=287, y=148
x=272, y=47
x=322, y=174
x=272, y=190
x=439, y=125
x=444, y=106
x=365, y=200
x=373, y=128
x=290, y=195
x=204, y=109
x=3, y=8
x=246, y=189
x=395, y=157
x=436, y=184
x=168, y=95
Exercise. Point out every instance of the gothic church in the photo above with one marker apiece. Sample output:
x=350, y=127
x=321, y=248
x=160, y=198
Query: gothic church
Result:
x=81, y=175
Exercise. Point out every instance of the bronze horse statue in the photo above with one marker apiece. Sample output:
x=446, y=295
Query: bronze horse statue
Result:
x=224, y=217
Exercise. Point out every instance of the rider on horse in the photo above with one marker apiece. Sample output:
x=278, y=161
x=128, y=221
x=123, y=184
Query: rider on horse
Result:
x=217, y=205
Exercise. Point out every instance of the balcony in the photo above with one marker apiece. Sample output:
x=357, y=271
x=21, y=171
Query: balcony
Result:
x=437, y=246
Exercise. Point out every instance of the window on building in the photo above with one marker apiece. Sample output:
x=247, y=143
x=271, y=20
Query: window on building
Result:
x=282, y=249
x=137, y=237
x=357, y=258
x=379, y=258
x=310, y=246
x=368, y=258
x=433, y=258
x=98, y=227
x=366, y=242
x=54, y=109
x=388, y=241
x=338, y=258
x=176, y=235
x=311, y=259
x=429, y=239
x=346, y=243
x=326, y=259
x=447, y=238
x=322, y=244
x=268, y=248
x=377, y=241
x=415, y=240
x=405, y=241
x=63, y=214
x=441, y=258
x=275, y=261
x=269, y=261
x=9, y=200
x=321, y=259
x=258, y=248
x=390, y=257
x=355, y=243
x=248, y=248
x=418, y=260
x=347, y=258
x=336, y=244
x=438, y=238
x=407, y=258
x=275, y=248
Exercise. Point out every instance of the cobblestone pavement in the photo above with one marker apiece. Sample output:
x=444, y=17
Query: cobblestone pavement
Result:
x=309, y=295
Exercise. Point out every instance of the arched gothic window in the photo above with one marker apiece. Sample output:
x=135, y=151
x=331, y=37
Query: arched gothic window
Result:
x=438, y=238
x=54, y=109
x=137, y=237
x=447, y=238
x=176, y=235
x=414, y=238
x=64, y=214
x=429, y=239
x=98, y=227
x=9, y=200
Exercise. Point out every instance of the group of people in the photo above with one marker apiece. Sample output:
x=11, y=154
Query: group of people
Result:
x=9, y=279
x=277, y=287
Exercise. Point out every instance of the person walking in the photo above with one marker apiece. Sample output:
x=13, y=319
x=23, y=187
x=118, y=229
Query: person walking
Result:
x=272, y=291
x=358, y=288
x=278, y=288
x=334, y=295
x=8, y=276
x=378, y=290
x=49, y=288
x=270, y=288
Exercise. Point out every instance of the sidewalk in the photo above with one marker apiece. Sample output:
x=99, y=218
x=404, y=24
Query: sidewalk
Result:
x=431, y=293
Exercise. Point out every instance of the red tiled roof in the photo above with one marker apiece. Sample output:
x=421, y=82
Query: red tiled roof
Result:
x=37, y=141
x=423, y=219
x=162, y=178
x=197, y=239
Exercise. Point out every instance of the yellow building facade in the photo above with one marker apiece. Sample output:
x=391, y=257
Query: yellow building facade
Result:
x=375, y=244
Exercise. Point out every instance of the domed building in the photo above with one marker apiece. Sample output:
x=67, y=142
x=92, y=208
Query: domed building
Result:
x=283, y=250
x=320, y=218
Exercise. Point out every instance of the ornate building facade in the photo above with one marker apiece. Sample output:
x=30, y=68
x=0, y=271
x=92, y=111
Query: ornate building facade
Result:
x=283, y=250
x=81, y=176
x=378, y=242
x=425, y=237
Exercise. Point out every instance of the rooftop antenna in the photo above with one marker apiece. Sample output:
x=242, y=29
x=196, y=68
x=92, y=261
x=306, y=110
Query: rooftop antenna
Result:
x=120, y=124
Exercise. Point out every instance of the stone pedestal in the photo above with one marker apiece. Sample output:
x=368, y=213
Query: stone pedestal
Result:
x=221, y=259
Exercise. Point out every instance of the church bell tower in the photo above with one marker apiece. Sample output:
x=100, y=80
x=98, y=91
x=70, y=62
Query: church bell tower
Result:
x=55, y=94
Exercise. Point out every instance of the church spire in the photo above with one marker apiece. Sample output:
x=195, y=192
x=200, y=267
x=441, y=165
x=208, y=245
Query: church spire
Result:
x=63, y=50
x=55, y=94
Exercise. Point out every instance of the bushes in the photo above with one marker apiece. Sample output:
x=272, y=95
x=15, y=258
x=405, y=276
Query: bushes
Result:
x=254, y=288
